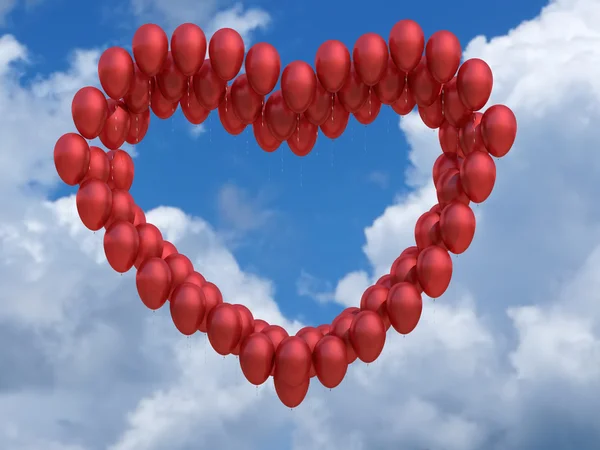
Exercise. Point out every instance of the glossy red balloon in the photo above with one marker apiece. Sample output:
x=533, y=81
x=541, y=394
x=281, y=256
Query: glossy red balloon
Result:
x=161, y=107
x=71, y=158
x=291, y=396
x=311, y=336
x=424, y=88
x=121, y=170
x=151, y=243
x=247, y=104
x=367, y=335
x=354, y=93
x=449, y=138
x=385, y=281
x=457, y=227
x=330, y=361
x=332, y=64
x=369, y=111
x=409, y=251
x=94, y=204
x=139, y=216
x=226, y=52
x=280, y=119
x=276, y=334
x=449, y=188
x=432, y=115
x=405, y=269
x=180, y=266
x=478, y=176
x=256, y=358
x=117, y=124
x=373, y=299
x=337, y=120
x=444, y=162
x=195, y=278
x=138, y=96
x=191, y=108
x=187, y=308
x=224, y=328
x=89, y=110
x=171, y=82
x=121, y=244
x=304, y=138
x=370, y=55
x=406, y=103
x=153, y=282
x=474, y=82
x=209, y=88
x=260, y=325
x=138, y=127
x=263, y=66
x=264, y=137
x=150, y=46
x=324, y=329
x=341, y=329
x=427, y=230
x=319, y=109
x=115, y=71
x=470, y=135
x=99, y=168
x=455, y=113
x=298, y=86
x=247, y=322
x=404, y=305
x=168, y=249
x=407, y=43
x=123, y=208
x=434, y=269
x=293, y=360
x=390, y=87
x=188, y=46
x=212, y=298
x=352, y=310
x=443, y=54
x=230, y=121
x=499, y=130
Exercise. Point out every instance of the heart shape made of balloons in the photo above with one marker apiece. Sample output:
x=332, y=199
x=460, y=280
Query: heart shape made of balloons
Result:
x=401, y=73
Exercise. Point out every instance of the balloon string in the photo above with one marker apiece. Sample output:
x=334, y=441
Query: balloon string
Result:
x=262, y=109
x=442, y=95
x=298, y=128
x=369, y=100
x=149, y=92
x=406, y=88
x=332, y=102
x=137, y=129
x=226, y=92
x=188, y=92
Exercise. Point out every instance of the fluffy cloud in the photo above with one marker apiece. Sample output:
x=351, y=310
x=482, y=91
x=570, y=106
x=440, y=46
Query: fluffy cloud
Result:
x=508, y=359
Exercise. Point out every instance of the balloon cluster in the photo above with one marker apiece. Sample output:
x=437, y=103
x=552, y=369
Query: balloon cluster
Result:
x=402, y=73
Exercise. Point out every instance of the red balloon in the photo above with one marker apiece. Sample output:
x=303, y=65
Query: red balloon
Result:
x=404, y=305
x=449, y=138
x=161, y=107
x=188, y=46
x=434, y=269
x=369, y=111
x=424, y=88
x=340, y=329
x=367, y=335
x=230, y=121
x=153, y=282
x=449, y=188
x=121, y=244
x=332, y=64
x=224, y=328
x=121, y=170
x=292, y=361
x=71, y=158
x=94, y=204
x=304, y=138
x=212, y=297
x=256, y=358
x=390, y=87
x=138, y=97
x=457, y=227
x=138, y=127
x=354, y=93
x=470, y=135
x=276, y=334
x=405, y=103
x=318, y=111
x=478, y=176
x=474, y=82
x=455, y=112
x=499, y=130
x=168, y=249
x=407, y=43
x=370, y=57
x=291, y=396
x=329, y=359
x=246, y=103
x=151, y=243
x=427, y=230
x=337, y=120
x=405, y=269
x=89, y=110
x=443, y=54
x=150, y=46
x=116, y=127
x=180, y=266
x=187, y=308
x=193, y=111
x=247, y=321
x=260, y=325
x=195, y=278
x=385, y=281
x=99, y=165
x=436, y=209
x=209, y=88
x=123, y=208
x=226, y=52
x=409, y=251
x=432, y=115
x=352, y=310
x=324, y=329
x=280, y=119
x=263, y=135
x=115, y=71
x=373, y=299
x=170, y=81
x=444, y=162
x=298, y=86
x=311, y=336
x=139, y=216
x=262, y=67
